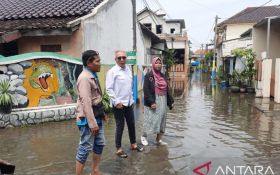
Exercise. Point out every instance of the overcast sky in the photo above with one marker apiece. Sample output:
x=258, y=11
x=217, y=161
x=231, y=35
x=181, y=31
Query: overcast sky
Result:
x=200, y=15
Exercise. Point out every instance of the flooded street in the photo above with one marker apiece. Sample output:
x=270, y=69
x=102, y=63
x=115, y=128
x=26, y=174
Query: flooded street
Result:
x=207, y=124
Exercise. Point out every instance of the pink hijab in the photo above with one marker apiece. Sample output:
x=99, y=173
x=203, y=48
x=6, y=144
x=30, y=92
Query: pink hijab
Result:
x=160, y=83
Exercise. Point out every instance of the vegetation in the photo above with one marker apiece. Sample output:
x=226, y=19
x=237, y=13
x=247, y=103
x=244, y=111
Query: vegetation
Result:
x=209, y=55
x=170, y=60
x=6, y=98
x=106, y=102
x=250, y=71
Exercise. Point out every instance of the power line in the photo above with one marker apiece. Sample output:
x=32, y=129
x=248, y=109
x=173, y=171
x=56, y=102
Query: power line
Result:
x=149, y=11
x=246, y=12
x=209, y=33
x=207, y=7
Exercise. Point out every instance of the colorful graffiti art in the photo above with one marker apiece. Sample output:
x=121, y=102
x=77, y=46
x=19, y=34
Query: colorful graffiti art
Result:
x=41, y=83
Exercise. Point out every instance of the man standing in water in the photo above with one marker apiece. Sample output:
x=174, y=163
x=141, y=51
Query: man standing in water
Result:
x=90, y=113
x=119, y=82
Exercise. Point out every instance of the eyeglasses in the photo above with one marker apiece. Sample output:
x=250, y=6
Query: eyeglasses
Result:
x=120, y=58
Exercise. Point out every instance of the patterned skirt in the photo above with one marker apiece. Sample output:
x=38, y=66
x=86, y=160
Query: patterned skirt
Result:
x=155, y=120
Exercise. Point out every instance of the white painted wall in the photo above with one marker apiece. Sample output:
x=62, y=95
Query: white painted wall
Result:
x=277, y=81
x=266, y=77
x=259, y=41
x=141, y=52
x=110, y=29
x=176, y=26
x=156, y=20
x=234, y=31
x=176, y=44
x=228, y=46
x=153, y=19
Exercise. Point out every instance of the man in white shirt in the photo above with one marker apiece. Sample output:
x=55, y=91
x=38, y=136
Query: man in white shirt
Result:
x=119, y=85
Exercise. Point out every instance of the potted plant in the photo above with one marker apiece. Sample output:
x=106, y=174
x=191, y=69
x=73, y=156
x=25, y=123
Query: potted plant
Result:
x=243, y=81
x=235, y=82
x=6, y=98
x=250, y=70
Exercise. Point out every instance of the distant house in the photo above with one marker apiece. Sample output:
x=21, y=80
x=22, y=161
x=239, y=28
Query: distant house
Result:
x=236, y=32
x=171, y=30
x=154, y=45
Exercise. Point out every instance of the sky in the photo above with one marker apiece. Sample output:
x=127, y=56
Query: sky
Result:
x=200, y=15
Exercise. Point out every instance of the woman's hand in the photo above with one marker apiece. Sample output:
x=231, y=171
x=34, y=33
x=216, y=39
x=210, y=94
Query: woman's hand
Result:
x=153, y=106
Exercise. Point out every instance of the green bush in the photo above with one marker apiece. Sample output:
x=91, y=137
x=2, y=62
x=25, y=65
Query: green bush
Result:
x=106, y=102
x=6, y=98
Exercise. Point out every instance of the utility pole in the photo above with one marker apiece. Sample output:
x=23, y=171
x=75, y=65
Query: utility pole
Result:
x=134, y=24
x=213, y=74
x=134, y=47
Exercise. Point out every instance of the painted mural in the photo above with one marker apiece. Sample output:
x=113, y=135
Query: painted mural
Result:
x=43, y=81
x=46, y=79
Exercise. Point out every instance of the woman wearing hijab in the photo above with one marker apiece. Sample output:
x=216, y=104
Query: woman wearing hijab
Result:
x=156, y=100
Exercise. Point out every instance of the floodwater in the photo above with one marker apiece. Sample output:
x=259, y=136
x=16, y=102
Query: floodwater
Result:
x=208, y=125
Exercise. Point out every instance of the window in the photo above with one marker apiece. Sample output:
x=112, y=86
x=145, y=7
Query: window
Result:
x=148, y=25
x=159, y=29
x=51, y=48
x=172, y=30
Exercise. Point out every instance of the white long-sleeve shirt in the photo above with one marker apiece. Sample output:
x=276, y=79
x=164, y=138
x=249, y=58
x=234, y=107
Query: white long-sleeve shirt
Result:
x=119, y=85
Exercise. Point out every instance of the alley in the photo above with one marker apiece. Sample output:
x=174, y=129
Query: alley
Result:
x=208, y=124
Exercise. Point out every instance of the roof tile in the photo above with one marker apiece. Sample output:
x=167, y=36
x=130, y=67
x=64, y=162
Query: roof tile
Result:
x=253, y=15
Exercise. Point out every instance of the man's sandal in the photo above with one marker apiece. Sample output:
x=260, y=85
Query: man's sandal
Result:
x=138, y=148
x=121, y=154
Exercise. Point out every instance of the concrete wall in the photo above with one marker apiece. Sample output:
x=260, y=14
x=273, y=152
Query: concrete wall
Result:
x=234, y=31
x=141, y=46
x=36, y=116
x=176, y=44
x=228, y=46
x=109, y=30
x=70, y=45
x=176, y=26
x=156, y=20
x=153, y=19
x=259, y=41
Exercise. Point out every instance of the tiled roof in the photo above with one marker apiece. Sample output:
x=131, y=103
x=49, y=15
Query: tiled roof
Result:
x=253, y=15
x=20, y=14
x=41, y=23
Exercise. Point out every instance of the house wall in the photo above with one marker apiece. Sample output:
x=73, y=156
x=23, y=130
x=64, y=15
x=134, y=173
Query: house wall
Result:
x=156, y=20
x=234, y=31
x=228, y=46
x=259, y=41
x=109, y=30
x=259, y=46
x=176, y=44
x=70, y=45
x=176, y=26
x=141, y=46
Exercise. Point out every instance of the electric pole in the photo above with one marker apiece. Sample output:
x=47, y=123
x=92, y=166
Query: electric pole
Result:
x=134, y=24
x=213, y=76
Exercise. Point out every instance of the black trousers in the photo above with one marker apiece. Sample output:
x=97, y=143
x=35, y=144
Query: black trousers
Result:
x=121, y=115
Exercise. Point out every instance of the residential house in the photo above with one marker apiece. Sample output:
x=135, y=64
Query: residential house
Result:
x=171, y=30
x=235, y=32
x=66, y=28
x=154, y=45
x=270, y=73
